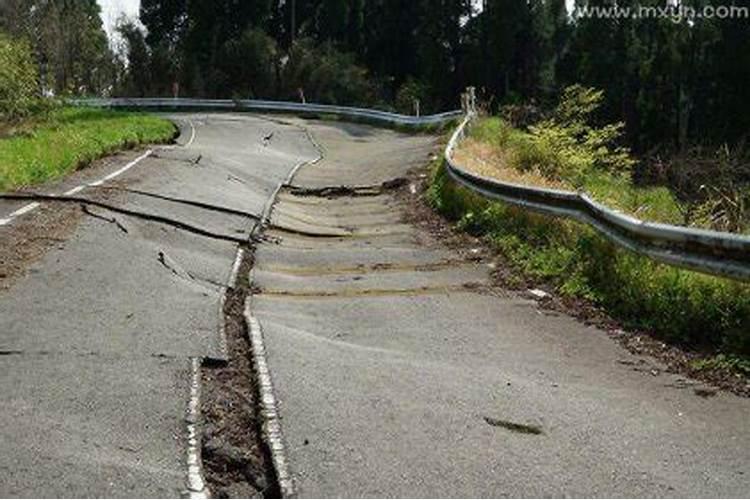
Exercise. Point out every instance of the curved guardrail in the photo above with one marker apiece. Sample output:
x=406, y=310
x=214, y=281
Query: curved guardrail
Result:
x=711, y=252
x=273, y=106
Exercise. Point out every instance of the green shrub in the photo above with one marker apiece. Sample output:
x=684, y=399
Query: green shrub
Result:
x=18, y=79
x=326, y=75
x=583, y=170
x=567, y=145
x=411, y=91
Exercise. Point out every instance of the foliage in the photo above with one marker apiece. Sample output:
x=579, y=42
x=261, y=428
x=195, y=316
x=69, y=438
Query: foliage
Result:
x=18, y=80
x=714, y=184
x=580, y=168
x=251, y=61
x=410, y=92
x=137, y=81
x=325, y=75
x=725, y=208
x=70, y=138
x=724, y=362
x=680, y=306
x=568, y=146
x=672, y=82
x=68, y=40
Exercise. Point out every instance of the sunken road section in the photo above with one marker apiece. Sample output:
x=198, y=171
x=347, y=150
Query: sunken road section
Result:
x=102, y=323
x=400, y=371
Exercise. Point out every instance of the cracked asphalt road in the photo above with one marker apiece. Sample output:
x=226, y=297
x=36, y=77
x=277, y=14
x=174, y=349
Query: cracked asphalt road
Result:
x=399, y=370
x=100, y=330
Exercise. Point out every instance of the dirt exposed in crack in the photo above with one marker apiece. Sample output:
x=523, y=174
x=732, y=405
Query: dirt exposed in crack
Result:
x=151, y=217
x=236, y=460
x=349, y=191
x=507, y=280
x=27, y=239
x=182, y=201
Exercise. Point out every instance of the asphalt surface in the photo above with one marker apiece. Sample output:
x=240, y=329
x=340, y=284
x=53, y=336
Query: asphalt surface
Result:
x=400, y=371
x=97, y=335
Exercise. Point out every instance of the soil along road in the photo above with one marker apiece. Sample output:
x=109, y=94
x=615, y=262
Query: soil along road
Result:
x=398, y=369
x=98, y=329
x=401, y=372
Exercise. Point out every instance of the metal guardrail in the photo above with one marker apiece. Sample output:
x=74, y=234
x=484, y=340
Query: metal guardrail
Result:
x=711, y=252
x=273, y=106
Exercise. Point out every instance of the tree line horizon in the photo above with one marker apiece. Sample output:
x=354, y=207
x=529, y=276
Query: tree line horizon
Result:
x=672, y=84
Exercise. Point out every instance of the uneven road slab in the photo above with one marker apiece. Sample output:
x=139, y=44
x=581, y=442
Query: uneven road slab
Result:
x=98, y=332
x=401, y=372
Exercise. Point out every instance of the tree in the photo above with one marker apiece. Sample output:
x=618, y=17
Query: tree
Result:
x=137, y=80
x=68, y=40
x=18, y=80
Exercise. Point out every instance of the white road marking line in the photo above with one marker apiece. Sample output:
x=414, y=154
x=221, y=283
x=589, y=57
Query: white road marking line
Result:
x=192, y=134
x=196, y=486
x=236, y=268
x=121, y=171
x=23, y=210
x=269, y=405
x=33, y=206
x=75, y=190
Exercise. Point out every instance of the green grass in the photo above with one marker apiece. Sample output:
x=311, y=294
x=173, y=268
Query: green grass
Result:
x=679, y=306
x=70, y=138
x=609, y=188
x=724, y=362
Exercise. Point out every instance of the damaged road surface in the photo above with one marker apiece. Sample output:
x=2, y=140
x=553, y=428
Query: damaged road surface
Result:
x=400, y=371
x=98, y=333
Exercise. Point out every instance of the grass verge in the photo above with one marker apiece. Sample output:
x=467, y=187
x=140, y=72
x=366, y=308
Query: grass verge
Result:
x=682, y=307
x=70, y=138
x=496, y=149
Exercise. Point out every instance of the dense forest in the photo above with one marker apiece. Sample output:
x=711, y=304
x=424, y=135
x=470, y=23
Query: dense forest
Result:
x=674, y=82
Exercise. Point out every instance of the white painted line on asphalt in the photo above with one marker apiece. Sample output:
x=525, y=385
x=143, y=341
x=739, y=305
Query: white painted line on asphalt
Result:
x=33, y=206
x=196, y=486
x=192, y=134
x=75, y=190
x=271, y=420
x=231, y=282
x=121, y=171
x=171, y=147
x=23, y=210
x=236, y=268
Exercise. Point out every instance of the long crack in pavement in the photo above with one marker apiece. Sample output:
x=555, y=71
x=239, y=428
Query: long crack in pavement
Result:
x=398, y=369
x=121, y=303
